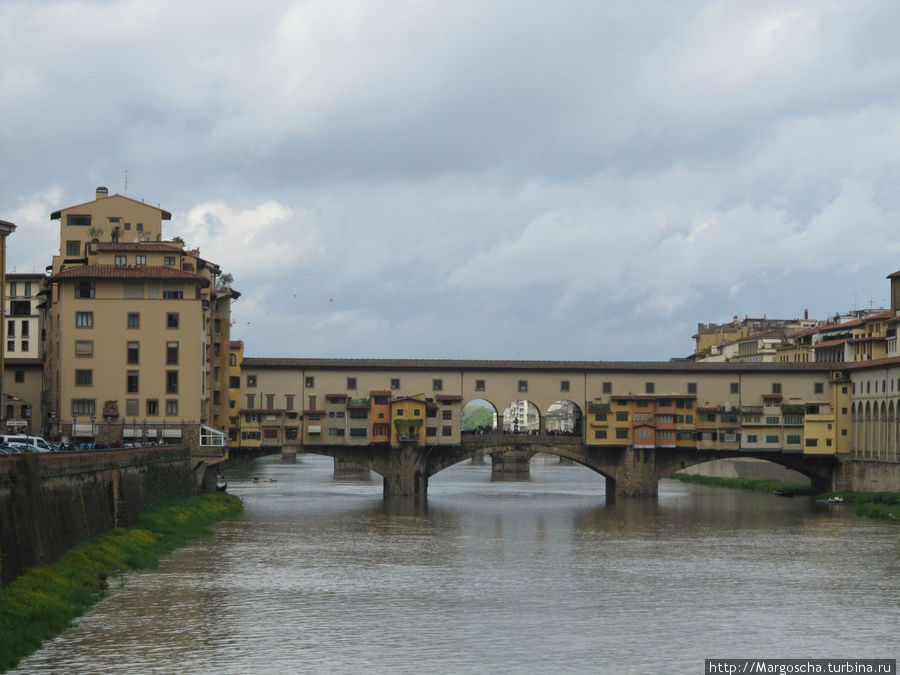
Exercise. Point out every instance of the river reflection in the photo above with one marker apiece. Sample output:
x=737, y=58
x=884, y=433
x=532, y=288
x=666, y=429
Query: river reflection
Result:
x=320, y=575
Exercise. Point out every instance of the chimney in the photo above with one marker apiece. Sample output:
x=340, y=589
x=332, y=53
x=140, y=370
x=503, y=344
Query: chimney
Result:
x=102, y=192
x=805, y=313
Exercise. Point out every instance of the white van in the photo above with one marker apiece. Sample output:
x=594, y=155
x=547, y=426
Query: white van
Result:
x=29, y=443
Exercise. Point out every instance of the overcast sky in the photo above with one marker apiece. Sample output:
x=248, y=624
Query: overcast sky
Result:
x=486, y=179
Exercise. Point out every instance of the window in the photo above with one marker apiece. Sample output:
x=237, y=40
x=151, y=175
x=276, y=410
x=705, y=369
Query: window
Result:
x=11, y=329
x=395, y=383
x=20, y=376
x=84, y=319
x=140, y=260
x=270, y=401
x=564, y=386
x=523, y=385
x=171, y=406
x=25, y=329
x=600, y=433
x=607, y=387
x=479, y=385
x=10, y=345
x=169, y=260
x=78, y=221
x=771, y=420
x=446, y=430
x=818, y=388
x=312, y=402
x=751, y=438
x=84, y=406
x=649, y=387
x=131, y=406
x=621, y=433
x=399, y=412
x=776, y=387
x=84, y=289
x=234, y=382
x=121, y=260
x=771, y=439
x=131, y=382
x=431, y=431
x=793, y=439
x=692, y=387
x=437, y=385
x=735, y=387
x=73, y=248
x=251, y=380
x=152, y=407
x=84, y=348
x=351, y=383
x=251, y=400
x=599, y=417
x=310, y=382
x=812, y=442
x=172, y=353
x=173, y=291
x=171, y=319
x=24, y=345
x=134, y=319
x=288, y=401
x=621, y=417
x=446, y=414
x=12, y=289
x=171, y=381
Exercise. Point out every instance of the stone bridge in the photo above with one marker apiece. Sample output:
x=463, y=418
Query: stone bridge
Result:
x=629, y=471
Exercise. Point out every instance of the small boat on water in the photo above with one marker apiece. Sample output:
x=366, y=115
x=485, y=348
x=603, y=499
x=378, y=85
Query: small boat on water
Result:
x=783, y=493
x=222, y=487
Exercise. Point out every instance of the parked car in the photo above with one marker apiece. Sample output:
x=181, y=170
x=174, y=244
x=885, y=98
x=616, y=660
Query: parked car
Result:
x=10, y=450
x=29, y=443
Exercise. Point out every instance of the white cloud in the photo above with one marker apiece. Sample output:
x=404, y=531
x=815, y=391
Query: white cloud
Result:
x=263, y=241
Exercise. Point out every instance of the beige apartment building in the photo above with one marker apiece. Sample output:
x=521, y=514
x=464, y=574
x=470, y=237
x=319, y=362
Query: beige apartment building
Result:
x=137, y=328
x=23, y=374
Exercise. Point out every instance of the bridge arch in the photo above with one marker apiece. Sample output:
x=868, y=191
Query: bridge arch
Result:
x=479, y=416
x=563, y=418
x=521, y=417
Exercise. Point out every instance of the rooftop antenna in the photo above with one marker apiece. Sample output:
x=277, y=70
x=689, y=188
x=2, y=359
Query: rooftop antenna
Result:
x=126, y=181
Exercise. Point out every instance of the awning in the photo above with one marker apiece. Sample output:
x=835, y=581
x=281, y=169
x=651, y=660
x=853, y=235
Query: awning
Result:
x=171, y=433
x=314, y=429
x=82, y=429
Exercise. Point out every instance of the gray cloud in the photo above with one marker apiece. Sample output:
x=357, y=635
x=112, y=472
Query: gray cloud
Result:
x=490, y=179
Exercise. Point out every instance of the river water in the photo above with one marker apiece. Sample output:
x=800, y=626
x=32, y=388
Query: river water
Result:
x=320, y=575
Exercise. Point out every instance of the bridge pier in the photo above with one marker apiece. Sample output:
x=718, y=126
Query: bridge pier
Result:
x=511, y=465
x=350, y=470
x=636, y=475
x=406, y=473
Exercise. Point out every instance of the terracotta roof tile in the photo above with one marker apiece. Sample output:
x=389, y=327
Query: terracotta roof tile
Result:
x=142, y=272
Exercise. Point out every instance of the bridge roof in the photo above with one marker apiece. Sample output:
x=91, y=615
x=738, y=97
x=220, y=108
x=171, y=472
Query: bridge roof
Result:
x=474, y=364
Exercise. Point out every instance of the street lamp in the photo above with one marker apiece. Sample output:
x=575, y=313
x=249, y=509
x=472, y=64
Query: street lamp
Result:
x=74, y=427
x=93, y=435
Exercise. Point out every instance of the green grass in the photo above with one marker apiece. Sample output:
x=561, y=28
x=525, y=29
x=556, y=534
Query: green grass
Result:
x=755, y=484
x=42, y=602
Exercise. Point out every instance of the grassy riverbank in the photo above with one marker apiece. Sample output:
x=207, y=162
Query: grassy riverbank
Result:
x=755, y=484
x=869, y=504
x=43, y=602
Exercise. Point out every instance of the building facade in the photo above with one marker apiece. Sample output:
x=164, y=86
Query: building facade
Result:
x=137, y=328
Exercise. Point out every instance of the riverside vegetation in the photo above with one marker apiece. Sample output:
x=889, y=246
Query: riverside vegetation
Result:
x=43, y=601
x=870, y=504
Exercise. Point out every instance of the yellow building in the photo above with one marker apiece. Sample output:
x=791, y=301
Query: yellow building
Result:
x=408, y=420
x=137, y=328
x=235, y=357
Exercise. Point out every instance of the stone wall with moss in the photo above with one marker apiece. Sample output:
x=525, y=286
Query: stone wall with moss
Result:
x=49, y=503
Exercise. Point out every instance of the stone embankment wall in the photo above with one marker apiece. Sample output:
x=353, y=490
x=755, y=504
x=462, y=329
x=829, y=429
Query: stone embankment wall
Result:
x=49, y=503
